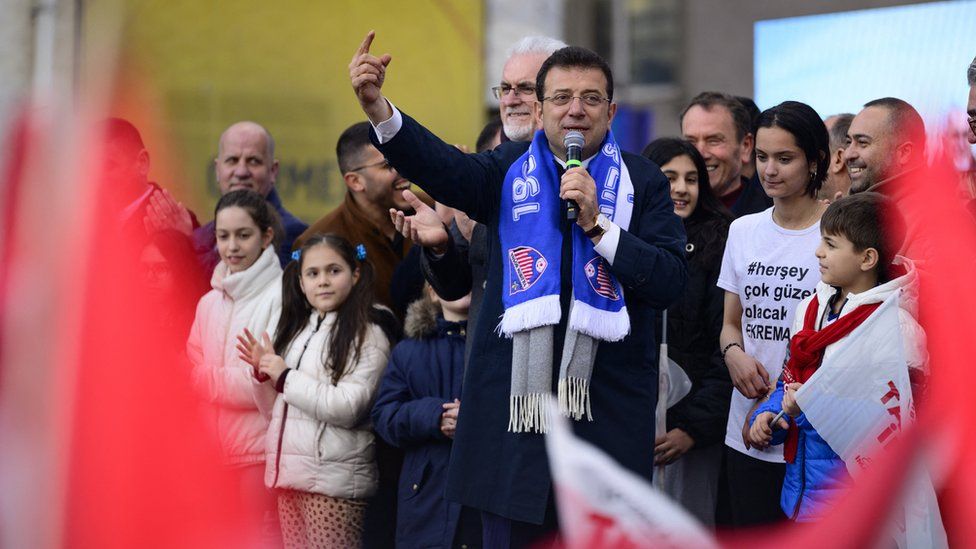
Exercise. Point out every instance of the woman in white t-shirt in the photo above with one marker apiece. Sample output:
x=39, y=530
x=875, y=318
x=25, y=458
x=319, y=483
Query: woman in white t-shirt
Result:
x=768, y=267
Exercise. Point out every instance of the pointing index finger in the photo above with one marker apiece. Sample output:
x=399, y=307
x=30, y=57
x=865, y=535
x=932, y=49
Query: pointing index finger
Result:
x=364, y=47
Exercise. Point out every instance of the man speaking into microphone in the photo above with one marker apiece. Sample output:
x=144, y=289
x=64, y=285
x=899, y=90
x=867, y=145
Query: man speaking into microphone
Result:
x=576, y=298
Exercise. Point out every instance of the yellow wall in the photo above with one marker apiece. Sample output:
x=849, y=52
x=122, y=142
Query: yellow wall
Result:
x=285, y=65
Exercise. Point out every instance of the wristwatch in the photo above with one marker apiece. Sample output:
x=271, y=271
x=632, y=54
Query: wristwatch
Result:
x=602, y=226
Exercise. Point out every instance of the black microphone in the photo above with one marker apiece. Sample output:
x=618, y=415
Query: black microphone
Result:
x=574, y=154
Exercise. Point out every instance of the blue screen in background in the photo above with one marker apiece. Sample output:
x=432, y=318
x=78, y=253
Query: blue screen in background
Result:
x=837, y=62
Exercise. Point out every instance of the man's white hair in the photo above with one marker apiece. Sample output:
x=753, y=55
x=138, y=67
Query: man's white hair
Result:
x=971, y=75
x=536, y=45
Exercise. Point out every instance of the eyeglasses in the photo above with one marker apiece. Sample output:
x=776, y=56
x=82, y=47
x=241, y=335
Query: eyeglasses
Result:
x=382, y=164
x=588, y=99
x=525, y=90
x=972, y=124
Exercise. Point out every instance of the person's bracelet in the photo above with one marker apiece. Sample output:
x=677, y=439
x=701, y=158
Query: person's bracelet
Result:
x=725, y=349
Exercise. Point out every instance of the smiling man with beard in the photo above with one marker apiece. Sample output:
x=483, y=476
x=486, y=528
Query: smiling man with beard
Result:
x=885, y=143
x=886, y=154
x=372, y=187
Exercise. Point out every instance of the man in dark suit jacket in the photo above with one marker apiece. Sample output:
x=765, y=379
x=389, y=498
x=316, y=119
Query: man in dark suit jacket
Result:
x=449, y=273
x=506, y=474
x=143, y=207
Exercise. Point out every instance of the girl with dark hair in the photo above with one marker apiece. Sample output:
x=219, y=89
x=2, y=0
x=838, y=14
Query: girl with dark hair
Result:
x=328, y=355
x=768, y=267
x=245, y=294
x=691, y=449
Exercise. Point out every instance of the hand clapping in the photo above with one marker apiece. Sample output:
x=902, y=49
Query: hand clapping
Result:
x=261, y=356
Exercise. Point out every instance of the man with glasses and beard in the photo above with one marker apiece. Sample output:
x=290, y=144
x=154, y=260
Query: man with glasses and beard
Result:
x=373, y=186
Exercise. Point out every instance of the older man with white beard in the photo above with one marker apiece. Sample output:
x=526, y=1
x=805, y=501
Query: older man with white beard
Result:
x=516, y=93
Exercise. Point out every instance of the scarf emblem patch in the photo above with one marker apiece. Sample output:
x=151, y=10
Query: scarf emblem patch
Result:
x=598, y=276
x=527, y=266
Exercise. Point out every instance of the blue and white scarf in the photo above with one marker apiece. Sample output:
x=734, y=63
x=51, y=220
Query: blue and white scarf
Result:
x=531, y=244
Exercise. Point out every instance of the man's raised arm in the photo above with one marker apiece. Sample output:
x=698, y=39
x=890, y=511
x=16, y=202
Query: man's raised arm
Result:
x=367, y=73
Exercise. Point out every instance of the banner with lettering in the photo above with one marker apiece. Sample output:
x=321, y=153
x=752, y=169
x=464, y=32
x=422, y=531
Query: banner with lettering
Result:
x=601, y=504
x=859, y=400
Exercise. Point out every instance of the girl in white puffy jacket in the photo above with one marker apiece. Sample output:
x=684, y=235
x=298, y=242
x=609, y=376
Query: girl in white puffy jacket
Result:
x=326, y=361
x=246, y=294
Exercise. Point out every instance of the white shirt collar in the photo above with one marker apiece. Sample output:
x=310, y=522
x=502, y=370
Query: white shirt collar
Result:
x=586, y=162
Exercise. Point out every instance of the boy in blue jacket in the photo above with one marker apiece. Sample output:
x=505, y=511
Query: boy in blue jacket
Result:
x=858, y=272
x=416, y=410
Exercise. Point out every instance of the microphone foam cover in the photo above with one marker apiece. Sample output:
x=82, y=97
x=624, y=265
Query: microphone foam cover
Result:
x=573, y=138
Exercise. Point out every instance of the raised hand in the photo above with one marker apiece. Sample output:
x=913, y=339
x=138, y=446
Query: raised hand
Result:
x=164, y=212
x=367, y=73
x=424, y=227
x=252, y=351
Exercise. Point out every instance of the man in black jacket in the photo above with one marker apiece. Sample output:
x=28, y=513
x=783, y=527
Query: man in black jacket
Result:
x=496, y=468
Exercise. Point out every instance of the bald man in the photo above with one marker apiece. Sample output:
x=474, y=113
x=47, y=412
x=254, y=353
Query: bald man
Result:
x=246, y=160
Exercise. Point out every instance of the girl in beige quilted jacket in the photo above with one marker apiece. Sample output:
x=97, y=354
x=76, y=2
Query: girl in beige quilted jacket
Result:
x=245, y=294
x=325, y=361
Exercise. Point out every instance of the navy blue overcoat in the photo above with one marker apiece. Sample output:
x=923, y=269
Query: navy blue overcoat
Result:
x=507, y=473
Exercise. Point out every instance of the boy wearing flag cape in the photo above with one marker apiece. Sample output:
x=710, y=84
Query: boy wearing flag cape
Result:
x=859, y=272
x=576, y=299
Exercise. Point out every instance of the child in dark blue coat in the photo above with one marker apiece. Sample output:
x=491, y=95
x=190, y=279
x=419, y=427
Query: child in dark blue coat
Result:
x=416, y=410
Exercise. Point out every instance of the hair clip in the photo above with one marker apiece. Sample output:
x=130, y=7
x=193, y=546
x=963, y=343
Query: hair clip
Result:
x=360, y=252
x=296, y=255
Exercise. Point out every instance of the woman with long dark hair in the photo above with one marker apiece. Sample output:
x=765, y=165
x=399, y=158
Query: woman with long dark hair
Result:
x=769, y=266
x=691, y=449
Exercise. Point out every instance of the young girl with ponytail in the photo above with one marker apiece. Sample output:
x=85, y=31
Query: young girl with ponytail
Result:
x=326, y=361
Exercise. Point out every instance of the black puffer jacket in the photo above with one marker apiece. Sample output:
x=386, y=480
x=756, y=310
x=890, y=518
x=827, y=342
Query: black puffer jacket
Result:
x=694, y=323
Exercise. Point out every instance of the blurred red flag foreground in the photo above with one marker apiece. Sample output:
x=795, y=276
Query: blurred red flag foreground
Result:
x=898, y=457
x=103, y=443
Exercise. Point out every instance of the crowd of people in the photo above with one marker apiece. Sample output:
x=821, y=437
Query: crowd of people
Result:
x=381, y=377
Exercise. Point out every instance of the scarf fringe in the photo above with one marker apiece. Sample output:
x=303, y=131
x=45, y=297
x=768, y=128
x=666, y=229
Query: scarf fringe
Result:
x=573, y=394
x=541, y=311
x=527, y=413
x=598, y=323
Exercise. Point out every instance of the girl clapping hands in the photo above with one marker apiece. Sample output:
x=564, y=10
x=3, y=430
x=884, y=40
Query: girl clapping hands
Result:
x=325, y=361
